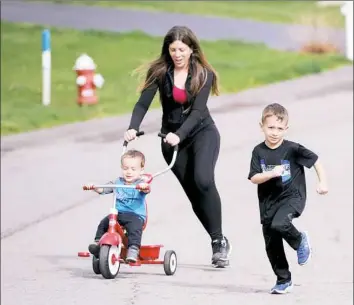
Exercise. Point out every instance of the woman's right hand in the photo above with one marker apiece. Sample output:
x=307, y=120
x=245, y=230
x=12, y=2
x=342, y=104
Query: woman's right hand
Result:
x=130, y=135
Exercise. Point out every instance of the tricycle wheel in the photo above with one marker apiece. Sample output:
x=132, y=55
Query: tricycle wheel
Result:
x=96, y=265
x=109, y=261
x=170, y=262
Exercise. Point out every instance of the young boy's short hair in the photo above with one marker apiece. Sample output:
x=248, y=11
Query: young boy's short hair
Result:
x=132, y=153
x=275, y=109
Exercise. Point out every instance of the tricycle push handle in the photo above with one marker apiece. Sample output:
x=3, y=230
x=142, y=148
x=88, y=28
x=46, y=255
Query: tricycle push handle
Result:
x=163, y=135
x=125, y=143
x=138, y=134
x=174, y=157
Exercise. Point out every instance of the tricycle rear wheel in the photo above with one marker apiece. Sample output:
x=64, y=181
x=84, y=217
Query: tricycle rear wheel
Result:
x=170, y=262
x=96, y=265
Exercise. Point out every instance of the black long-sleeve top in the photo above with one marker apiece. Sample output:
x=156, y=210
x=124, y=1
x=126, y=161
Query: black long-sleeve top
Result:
x=184, y=120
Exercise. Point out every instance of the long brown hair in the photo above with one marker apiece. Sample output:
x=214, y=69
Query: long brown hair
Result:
x=157, y=69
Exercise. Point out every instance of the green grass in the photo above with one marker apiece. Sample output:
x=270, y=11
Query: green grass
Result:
x=302, y=12
x=240, y=66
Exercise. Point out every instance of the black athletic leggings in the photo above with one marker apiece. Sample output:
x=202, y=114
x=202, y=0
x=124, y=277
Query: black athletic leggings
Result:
x=194, y=169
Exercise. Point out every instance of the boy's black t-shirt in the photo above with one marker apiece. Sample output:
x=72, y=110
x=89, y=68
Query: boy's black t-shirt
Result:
x=291, y=186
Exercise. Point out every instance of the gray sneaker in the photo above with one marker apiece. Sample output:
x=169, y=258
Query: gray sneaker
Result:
x=221, y=252
x=132, y=255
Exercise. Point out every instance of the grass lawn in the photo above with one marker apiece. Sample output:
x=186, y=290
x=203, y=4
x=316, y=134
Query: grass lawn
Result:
x=302, y=12
x=240, y=66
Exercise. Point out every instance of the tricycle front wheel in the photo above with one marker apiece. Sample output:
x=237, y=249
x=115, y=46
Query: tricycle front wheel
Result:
x=109, y=263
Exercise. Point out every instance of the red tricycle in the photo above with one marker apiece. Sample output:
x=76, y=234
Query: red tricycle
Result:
x=113, y=244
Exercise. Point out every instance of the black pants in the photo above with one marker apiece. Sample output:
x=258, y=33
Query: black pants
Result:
x=194, y=169
x=131, y=222
x=280, y=228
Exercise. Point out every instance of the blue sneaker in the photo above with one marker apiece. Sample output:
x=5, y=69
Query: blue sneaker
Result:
x=282, y=288
x=304, y=251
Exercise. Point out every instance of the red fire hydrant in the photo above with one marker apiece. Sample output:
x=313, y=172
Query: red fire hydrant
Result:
x=87, y=80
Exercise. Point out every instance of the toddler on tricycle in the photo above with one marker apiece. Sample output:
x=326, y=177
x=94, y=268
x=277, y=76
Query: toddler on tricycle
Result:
x=118, y=236
x=130, y=202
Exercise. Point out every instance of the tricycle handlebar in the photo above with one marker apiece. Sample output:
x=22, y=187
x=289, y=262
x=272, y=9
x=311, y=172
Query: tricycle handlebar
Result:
x=125, y=186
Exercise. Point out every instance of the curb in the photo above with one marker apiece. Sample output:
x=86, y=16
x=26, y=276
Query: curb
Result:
x=283, y=92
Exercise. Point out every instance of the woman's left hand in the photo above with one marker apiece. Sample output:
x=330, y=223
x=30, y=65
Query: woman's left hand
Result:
x=172, y=139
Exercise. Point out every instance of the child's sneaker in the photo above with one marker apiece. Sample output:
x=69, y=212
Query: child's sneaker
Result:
x=282, y=288
x=94, y=249
x=221, y=251
x=132, y=255
x=304, y=250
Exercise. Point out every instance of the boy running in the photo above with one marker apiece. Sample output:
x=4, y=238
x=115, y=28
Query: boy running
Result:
x=277, y=167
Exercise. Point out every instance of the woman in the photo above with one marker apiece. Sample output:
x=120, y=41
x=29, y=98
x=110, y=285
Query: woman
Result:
x=184, y=79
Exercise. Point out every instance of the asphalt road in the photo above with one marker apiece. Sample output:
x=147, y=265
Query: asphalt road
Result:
x=278, y=36
x=41, y=194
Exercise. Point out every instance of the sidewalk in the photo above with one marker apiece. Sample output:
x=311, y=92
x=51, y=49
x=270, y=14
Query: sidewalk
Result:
x=277, y=36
